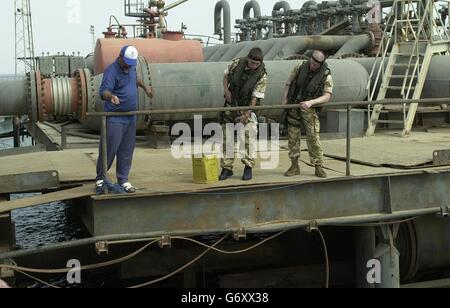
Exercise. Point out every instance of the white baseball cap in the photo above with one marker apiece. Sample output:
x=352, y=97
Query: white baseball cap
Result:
x=130, y=55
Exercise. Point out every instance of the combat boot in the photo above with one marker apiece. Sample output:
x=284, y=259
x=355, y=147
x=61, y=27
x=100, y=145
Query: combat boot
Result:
x=294, y=170
x=320, y=172
x=248, y=174
x=226, y=173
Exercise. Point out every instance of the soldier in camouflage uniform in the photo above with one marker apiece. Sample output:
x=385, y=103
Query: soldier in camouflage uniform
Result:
x=245, y=83
x=309, y=85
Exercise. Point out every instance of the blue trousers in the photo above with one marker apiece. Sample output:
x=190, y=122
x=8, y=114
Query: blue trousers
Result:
x=121, y=141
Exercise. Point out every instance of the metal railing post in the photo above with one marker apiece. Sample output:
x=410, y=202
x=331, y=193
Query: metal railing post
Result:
x=64, y=138
x=349, y=140
x=347, y=105
x=104, y=158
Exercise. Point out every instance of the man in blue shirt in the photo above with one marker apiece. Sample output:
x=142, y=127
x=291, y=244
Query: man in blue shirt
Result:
x=119, y=90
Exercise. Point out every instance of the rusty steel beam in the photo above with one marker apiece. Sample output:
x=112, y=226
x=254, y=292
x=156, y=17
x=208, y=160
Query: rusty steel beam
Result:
x=273, y=207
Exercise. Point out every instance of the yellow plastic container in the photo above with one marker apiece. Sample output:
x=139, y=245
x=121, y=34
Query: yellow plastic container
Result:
x=206, y=169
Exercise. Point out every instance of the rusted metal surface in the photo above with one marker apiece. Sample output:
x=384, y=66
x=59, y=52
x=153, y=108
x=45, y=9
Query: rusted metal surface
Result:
x=22, y=150
x=82, y=106
x=71, y=165
x=154, y=50
x=272, y=206
x=29, y=182
x=42, y=112
x=63, y=195
x=441, y=158
x=173, y=35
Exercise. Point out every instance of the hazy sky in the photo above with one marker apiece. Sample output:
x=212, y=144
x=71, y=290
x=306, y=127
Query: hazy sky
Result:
x=59, y=28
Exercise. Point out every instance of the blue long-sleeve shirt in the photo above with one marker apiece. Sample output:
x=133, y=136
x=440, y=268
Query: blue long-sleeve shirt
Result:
x=123, y=85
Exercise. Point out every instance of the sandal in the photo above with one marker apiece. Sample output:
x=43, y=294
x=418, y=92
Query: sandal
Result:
x=100, y=187
x=128, y=188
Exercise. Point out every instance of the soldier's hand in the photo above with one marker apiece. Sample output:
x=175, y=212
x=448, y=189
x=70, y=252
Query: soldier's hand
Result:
x=245, y=116
x=244, y=119
x=115, y=100
x=228, y=96
x=306, y=105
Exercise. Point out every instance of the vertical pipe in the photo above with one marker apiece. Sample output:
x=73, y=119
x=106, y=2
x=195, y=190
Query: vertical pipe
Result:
x=104, y=150
x=349, y=140
x=223, y=6
x=390, y=268
x=280, y=5
x=16, y=131
x=64, y=138
x=256, y=14
x=13, y=97
x=356, y=23
x=355, y=44
x=249, y=6
x=389, y=257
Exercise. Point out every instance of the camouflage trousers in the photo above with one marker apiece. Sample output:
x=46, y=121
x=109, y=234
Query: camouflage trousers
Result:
x=247, y=141
x=311, y=122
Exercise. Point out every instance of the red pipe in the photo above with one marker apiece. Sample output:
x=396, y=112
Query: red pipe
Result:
x=153, y=50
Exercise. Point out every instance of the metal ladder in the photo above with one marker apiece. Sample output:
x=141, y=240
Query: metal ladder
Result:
x=415, y=38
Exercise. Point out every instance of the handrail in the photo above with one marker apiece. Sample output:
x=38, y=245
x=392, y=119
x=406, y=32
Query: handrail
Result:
x=430, y=101
x=348, y=105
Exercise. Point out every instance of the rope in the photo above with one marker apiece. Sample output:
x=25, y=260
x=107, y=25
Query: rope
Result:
x=23, y=270
x=83, y=268
x=237, y=251
x=38, y=280
x=327, y=261
x=181, y=268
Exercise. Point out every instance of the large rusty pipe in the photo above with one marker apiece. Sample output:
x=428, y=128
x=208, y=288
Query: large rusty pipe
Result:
x=437, y=81
x=294, y=45
x=221, y=51
x=209, y=51
x=13, y=97
x=223, y=6
x=424, y=245
x=244, y=48
x=90, y=61
x=200, y=85
x=279, y=48
x=153, y=50
x=355, y=45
